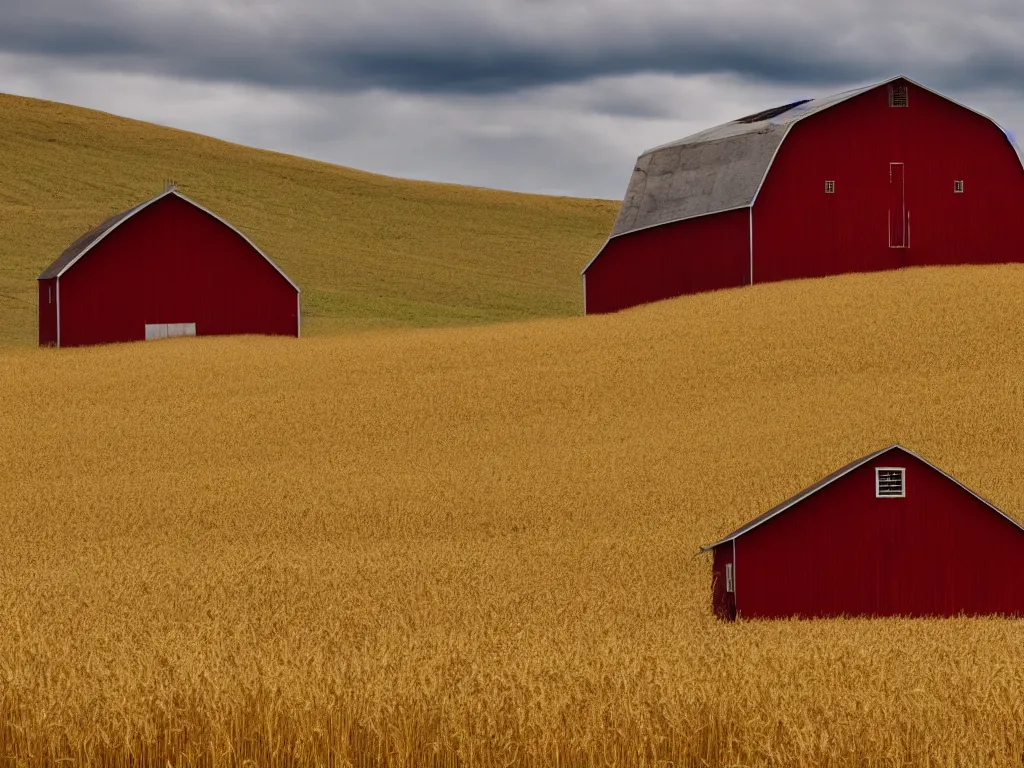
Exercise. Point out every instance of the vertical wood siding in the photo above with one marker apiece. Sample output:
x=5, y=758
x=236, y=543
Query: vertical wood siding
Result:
x=691, y=256
x=47, y=312
x=799, y=231
x=721, y=600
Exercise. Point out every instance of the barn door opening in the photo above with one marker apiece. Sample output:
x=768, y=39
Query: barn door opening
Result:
x=899, y=235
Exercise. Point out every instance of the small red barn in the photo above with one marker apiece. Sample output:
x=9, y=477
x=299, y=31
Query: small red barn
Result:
x=888, y=535
x=167, y=267
x=891, y=175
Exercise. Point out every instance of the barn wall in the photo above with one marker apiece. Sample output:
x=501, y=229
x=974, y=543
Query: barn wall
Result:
x=799, y=231
x=47, y=312
x=938, y=552
x=173, y=263
x=721, y=601
x=700, y=254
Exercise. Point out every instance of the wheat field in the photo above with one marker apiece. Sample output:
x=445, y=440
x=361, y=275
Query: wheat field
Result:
x=368, y=251
x=478, y=546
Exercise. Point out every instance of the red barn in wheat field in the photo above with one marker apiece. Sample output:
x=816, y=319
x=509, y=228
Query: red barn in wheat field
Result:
x=887, y=176
x=888, y=535
x=167, y=267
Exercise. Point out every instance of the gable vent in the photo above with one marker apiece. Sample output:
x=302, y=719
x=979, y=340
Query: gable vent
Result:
x=898, y=96
x=889, y=482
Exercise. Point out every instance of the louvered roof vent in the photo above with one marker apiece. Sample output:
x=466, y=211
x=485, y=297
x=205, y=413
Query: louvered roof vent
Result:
x=898, y=96
x=889, y=482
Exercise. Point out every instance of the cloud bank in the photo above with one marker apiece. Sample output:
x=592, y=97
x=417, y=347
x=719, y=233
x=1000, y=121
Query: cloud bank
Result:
x=525, y=94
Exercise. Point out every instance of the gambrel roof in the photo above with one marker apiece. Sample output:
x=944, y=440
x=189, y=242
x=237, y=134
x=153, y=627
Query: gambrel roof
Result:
x=74, y=252
x=831, y=478
x=719, y=169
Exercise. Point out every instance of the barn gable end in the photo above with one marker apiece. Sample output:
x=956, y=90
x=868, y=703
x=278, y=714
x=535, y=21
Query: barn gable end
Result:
x=86, y=242
x=889, y=534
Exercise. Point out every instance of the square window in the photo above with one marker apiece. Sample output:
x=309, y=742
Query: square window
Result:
x=889, y=482
x=958, y=187
x=898, y=96
x=830, y=187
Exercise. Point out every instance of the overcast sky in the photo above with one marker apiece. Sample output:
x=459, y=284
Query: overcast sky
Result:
x=553, y=96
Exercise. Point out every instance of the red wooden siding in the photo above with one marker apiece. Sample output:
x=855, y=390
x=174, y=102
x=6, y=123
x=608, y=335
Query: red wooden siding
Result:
x=701, y=254
x=723, y=601
x=841, y=551
x=48, y=313
x=173, y=263
x=799, y=231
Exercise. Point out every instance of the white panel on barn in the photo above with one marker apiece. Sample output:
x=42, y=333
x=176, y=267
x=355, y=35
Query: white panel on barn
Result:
x=181, y=329
x=156, y=331
x=168, y=330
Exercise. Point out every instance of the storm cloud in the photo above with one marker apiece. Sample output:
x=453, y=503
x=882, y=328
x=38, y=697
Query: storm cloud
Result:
x=487, y=46
x=478, y=90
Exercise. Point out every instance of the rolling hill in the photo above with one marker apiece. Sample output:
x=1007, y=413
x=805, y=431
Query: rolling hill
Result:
x=367, y=250
x=479, y=545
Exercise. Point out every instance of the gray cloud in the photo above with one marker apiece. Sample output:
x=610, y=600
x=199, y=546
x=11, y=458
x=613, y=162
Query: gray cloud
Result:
x=496, y=46
x=554, y=96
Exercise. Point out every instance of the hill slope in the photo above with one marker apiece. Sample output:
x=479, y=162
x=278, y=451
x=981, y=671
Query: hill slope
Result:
x=367, y=250
x=480, y=544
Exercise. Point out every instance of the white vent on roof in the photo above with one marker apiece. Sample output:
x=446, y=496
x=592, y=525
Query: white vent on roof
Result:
x=898, y=96
x=889, y=482
x=958, y=187
x=830, y=187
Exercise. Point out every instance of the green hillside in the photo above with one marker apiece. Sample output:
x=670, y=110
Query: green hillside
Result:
x=367, y=250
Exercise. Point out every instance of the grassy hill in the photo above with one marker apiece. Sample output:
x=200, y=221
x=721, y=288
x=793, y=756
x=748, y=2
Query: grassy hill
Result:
x=367, y=250
x=480, y=544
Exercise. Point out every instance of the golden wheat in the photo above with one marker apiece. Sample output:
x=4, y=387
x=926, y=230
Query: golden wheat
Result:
x=367, y=250
x=477, y=546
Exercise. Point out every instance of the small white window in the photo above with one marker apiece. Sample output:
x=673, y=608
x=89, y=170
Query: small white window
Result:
x=898, y=96
x=830, y=187
x=958, y=187
x=730, y=585
x=889, y=482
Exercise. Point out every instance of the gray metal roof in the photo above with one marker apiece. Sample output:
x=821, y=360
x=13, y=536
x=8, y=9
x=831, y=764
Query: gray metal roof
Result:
x=718, y=169
x=74, y=252
x=831, y=478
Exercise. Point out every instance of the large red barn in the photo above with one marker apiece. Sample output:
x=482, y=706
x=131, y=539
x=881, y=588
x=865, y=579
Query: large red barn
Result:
x=167, y=267
x=887, y=176
x=888, y=535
